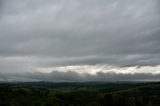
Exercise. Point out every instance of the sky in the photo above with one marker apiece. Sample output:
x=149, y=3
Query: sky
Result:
x=79, y=40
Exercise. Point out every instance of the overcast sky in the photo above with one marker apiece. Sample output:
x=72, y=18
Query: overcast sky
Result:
x=79, y=40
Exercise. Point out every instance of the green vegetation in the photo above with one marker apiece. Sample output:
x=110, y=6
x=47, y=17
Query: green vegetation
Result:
x=79, y=94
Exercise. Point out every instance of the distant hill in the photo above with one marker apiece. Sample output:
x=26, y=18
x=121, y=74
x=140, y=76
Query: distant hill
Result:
x=80, y=94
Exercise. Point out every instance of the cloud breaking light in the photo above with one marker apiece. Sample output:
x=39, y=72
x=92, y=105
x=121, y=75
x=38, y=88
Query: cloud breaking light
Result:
x=103, y=68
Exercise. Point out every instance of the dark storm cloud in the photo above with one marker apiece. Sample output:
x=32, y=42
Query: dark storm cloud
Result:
x=40, y=33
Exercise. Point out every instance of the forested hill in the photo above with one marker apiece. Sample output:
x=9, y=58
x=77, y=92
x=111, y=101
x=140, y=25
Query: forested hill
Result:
x=80, y=94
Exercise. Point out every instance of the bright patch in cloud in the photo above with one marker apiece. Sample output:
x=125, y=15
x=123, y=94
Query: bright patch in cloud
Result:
x=83, y=69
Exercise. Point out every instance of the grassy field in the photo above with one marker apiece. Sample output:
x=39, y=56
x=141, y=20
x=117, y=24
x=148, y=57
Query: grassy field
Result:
x=80, y=94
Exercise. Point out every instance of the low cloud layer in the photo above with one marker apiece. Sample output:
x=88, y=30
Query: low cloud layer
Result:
x=71, y=76
x=42, y=34
x=86, y=73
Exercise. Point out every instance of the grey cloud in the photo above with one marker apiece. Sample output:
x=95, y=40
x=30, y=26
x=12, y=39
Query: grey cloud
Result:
x=58, y=33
